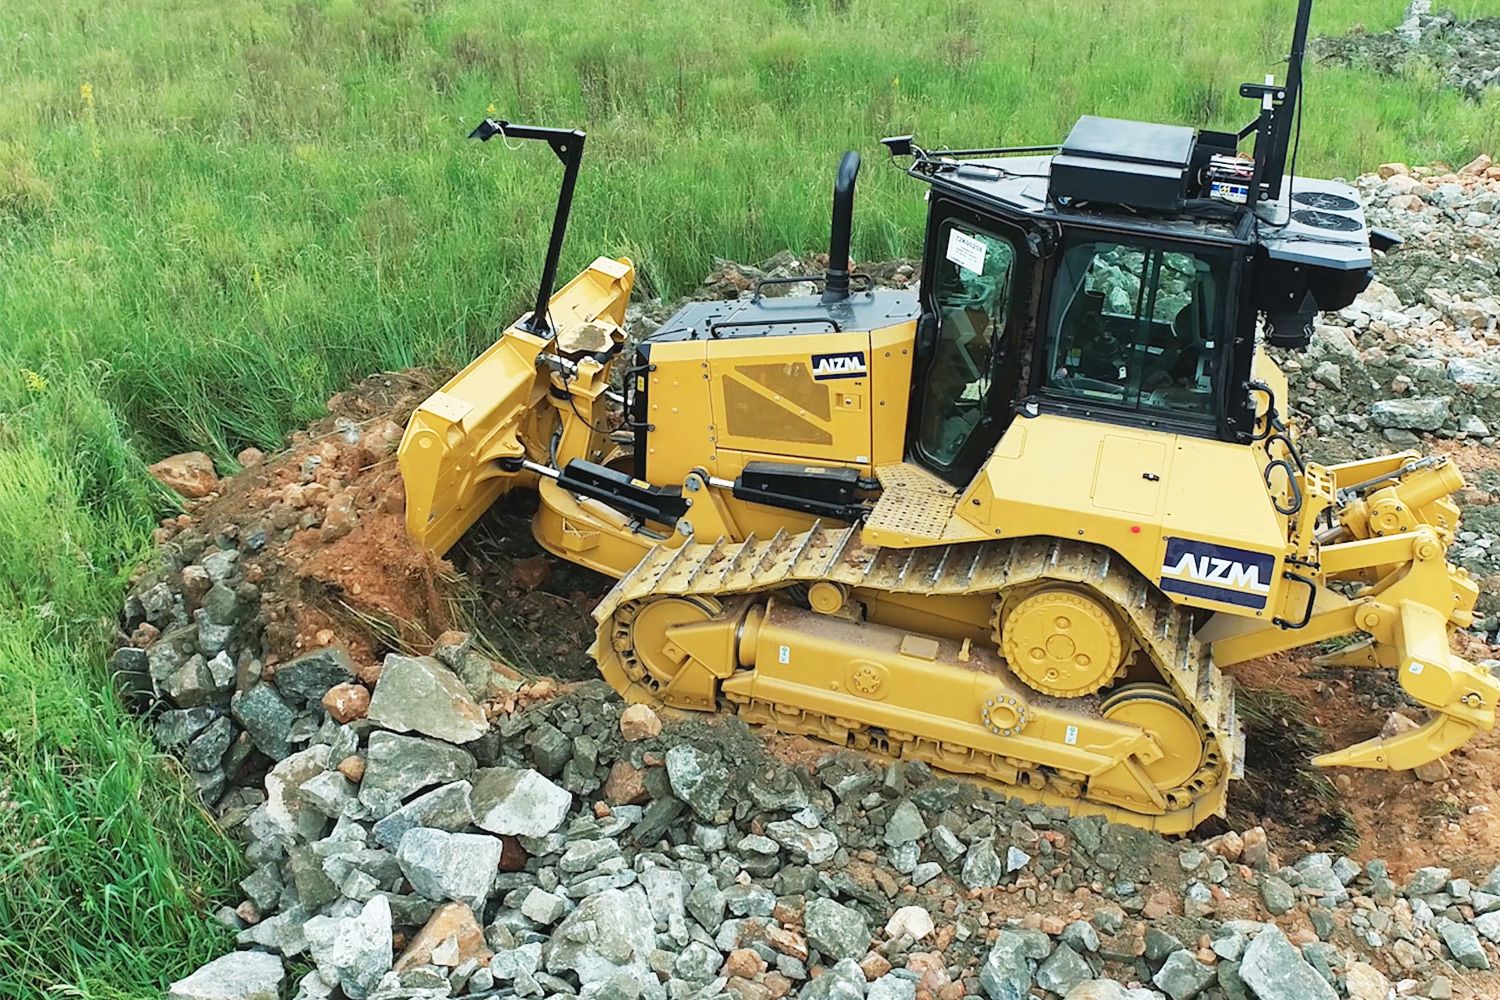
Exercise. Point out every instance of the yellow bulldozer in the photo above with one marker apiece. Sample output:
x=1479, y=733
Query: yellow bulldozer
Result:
x=1015, y=524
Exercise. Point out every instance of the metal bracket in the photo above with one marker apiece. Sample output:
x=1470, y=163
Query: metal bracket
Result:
x=567, y=144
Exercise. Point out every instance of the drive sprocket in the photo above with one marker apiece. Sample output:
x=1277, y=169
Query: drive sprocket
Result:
x=1061, y=641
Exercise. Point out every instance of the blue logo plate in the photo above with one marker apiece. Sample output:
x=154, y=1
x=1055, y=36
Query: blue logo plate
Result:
x=1217, y=572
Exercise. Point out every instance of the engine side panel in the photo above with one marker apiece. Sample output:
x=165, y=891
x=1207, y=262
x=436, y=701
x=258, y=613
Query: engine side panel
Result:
x=794, y=394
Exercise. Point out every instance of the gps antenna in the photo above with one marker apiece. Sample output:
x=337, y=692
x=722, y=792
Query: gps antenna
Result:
x=568, y=145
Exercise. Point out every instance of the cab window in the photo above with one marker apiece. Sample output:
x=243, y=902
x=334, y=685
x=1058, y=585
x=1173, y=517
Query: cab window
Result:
x=1137, y=327
x=972, y=296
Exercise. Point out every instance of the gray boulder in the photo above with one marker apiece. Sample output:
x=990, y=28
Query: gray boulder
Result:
x=543, y=907
x=1488, y=924
x=835, y=929
x=706, y=903
x=1006, y=972
x=697, y=963
x=1063, y=970
x=905, y=825
x=221, y=604
x=604, y=936
x=353, y=952
x=1472, y=371
x=587, y=854
x=1277, y=895
x=1183, y=977
x=240, y=975
x=447, y=807
x=982, y=866
x=179, y=726
x=1463, y=943
x=330, y=793
x=268, y=719
x=698, y=778
x=396, y=767
x=308, y=677
x=516, y=801
x=281, y=932
x=191, y=684
x=815, y=845
x=1274, y=969
x=1319, y=878
x=844, y=981
x=1331, y=342
x=207, y=748
x=1414, y=414
x=419, y=694
x=450, y=866
x=1428, y=881
x=518, y=965
x=893, y=986
x=666, y=891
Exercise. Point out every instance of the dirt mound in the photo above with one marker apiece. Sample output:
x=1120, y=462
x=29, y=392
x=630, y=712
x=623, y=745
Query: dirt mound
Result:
x=319, y=531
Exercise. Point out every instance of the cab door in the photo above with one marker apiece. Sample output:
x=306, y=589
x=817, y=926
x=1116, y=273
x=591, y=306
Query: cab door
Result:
x=976, y=291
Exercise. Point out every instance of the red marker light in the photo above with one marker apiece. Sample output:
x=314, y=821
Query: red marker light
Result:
x=1135, y=529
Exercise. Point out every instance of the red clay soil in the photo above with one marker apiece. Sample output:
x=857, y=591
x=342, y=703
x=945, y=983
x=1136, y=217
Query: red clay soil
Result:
x=336, y=565
x=1395, y=816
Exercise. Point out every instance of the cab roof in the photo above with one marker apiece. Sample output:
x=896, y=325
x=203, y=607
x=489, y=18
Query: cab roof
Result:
x=1316, y=222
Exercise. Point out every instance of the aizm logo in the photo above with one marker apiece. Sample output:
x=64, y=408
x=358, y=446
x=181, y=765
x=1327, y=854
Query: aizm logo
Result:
x=849, y=364
x=1217, y=572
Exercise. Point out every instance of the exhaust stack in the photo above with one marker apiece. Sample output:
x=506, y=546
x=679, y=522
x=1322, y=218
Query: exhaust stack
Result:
x=836, y=277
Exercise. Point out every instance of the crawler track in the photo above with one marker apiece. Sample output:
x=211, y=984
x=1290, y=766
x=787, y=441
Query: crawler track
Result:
x=725, y=574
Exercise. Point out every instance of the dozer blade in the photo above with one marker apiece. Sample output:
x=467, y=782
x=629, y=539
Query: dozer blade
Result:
x=450, y=453
x=1462, y=696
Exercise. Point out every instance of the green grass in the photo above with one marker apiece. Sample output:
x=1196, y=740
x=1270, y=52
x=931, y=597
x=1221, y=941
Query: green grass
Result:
x=106, y=863
x=214, y=213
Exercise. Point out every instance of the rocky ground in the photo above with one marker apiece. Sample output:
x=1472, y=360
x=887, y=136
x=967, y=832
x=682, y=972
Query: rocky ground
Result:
x=1414, y=362
x=431, y=813
x=1464, y=54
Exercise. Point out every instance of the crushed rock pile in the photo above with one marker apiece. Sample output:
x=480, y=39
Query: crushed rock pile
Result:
x=577, y=848
x=435, y=825
x=1465, y=54
x=1414, y=362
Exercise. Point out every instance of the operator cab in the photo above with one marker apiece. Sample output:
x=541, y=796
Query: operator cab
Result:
x=1031, y=306
x=1125, y=275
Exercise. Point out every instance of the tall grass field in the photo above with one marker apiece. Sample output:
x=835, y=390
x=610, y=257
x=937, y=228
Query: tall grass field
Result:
x=216, y=213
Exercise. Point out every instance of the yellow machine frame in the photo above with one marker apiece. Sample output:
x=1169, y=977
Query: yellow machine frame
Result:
x=900, y=647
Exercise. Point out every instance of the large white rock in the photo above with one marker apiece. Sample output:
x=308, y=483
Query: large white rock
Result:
x=419, y=694
x=1275, y=970
x=509, y=800
x=610, y=932
x=240, y=975
x=353, y=952
x=442, y=866
x=912, y=920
